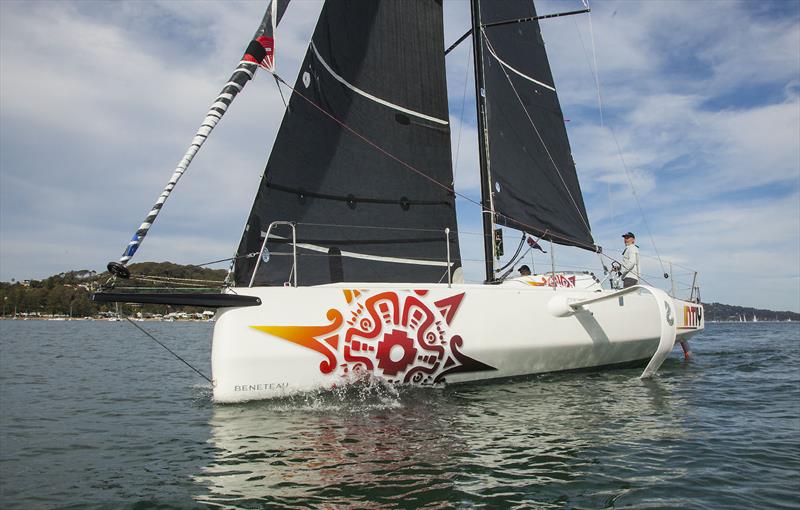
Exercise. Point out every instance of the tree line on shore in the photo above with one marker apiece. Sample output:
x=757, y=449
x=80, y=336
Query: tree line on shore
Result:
x=723, y=312
x=69, y=293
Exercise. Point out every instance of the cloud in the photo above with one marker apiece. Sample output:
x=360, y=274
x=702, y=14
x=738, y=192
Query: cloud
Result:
x=93, y=127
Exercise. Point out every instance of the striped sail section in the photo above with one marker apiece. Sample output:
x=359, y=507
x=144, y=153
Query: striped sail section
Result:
x=243, y=73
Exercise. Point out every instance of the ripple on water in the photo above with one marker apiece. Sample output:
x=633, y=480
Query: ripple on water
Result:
x=117, y=423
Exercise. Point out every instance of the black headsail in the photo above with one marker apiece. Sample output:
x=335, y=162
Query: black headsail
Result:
x=370, y=94
x=533, y=180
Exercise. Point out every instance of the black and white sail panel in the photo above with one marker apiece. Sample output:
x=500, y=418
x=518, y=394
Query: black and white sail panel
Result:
x=370, y=106
x=533, y=175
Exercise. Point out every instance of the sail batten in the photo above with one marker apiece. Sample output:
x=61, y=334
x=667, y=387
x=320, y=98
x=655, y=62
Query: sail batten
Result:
x=370, y=96
x=512, y=68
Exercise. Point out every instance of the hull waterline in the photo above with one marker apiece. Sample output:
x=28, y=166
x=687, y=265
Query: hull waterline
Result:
x=307, y=338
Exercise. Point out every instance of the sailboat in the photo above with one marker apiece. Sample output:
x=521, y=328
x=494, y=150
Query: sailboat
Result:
x=349, y=266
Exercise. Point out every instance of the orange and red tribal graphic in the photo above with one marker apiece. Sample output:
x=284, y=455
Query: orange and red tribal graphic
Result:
x=399, y=336
x=692, y=315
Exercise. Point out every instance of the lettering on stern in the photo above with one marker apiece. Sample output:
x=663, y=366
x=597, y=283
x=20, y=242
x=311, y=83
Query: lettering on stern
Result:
x=261, y=387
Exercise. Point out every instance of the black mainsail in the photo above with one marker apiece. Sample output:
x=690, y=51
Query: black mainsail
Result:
x=531, y=173
x=370, y=101
x=359, y=181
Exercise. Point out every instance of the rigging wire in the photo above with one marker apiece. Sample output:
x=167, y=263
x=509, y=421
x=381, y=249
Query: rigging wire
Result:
x=204, y=376
x=616, y=142
x=376, y=227
x=186, y=281
x=461, y=116
x=245, y=256
x=593, y=71
x=162, y=282
x=536, y=130
x=174, y=278
x=167, y=288
x=516, y=253
x=638, y=202
x=422, y=174
x=278, y=85
x=594, y=57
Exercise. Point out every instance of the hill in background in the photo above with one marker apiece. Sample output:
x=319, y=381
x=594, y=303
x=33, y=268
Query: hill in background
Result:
x=69, y=293
x=722, y=312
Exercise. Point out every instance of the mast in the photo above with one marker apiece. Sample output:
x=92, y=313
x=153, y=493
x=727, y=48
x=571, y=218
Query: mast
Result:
x=528, y=175
x=487, y=203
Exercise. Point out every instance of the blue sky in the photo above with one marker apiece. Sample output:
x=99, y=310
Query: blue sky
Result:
x=98, y=102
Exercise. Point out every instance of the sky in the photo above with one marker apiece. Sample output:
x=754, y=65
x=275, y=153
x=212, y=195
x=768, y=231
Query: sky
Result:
x=700, y=103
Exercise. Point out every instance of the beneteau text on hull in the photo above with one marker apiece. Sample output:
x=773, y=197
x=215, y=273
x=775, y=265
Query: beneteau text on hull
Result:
x=350, y=266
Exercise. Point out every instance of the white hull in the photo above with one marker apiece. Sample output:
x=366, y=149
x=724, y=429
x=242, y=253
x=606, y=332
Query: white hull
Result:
x=305, y=338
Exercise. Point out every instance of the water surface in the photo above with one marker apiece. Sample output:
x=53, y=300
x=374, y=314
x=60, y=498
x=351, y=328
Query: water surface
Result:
x=95, y=415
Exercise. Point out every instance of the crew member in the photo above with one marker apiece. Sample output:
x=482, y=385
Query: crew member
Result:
x=524, y=271
x=630, y=261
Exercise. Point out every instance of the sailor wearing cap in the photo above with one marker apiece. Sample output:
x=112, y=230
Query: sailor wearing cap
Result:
x=524, y=270
x=630, y=261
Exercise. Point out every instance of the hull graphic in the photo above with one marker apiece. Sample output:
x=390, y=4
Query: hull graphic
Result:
x=306, y=338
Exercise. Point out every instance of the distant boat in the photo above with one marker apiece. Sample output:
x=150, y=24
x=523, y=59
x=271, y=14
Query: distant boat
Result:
x=755, y=319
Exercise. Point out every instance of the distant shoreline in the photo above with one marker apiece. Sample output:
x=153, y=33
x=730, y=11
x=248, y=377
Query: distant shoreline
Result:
x=149, y=319
x=99, y=319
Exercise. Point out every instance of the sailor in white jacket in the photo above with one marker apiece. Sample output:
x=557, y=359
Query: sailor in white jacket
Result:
x=630, y=261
